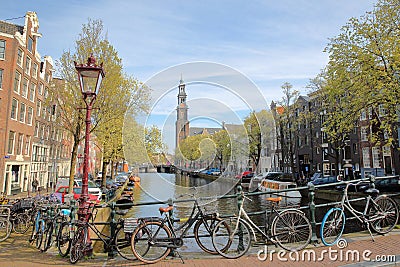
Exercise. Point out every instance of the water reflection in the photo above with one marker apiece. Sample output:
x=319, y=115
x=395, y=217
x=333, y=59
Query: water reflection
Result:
x=161, y=187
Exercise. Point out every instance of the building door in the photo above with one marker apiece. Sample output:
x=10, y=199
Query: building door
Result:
x=388, y=165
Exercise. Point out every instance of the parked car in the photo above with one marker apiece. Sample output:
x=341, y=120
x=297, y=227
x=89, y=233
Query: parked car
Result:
x=319, y=179
x=92, y=188
x=64, y=190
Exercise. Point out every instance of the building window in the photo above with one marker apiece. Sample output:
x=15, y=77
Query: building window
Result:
x=317, y=150
x=2, y=49
x=375, y=157
x=38, y=108
x=32, y=89
x=24, y=91
x=30, y=115
x=20, y=55
x=1, y=78
x=34, y=70
x=17, y=81
x=14, y=107
x=28, y=66
x=364, y=133
x=27, y=144
x=382, y=111
x=363, y=115
x=370, y=113
x=11, y=138
x=22, y=111
x=20, y=144
x=366, y=158
x=40, y=89
x=355, y=148
x=30, y=44
x=36, y=129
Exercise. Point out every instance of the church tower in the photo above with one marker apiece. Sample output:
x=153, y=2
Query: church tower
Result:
x=182, y=123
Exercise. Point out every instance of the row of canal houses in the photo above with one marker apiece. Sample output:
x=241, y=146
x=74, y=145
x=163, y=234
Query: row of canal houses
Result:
x=356, y=156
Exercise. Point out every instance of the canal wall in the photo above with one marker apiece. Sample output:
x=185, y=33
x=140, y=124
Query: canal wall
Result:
x=104, y=216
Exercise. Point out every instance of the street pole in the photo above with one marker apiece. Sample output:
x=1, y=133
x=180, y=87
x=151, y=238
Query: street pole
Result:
x=90, y=76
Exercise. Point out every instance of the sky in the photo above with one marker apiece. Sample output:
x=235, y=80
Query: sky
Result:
x=234, y=56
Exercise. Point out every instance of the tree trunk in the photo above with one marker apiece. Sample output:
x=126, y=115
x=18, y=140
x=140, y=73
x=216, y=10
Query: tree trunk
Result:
x=104, y=174
x=73, y=163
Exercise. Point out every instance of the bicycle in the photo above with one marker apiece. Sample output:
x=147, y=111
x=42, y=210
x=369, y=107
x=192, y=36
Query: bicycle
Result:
x=290, y=229
x=119, y=240
x=380, y=213
x=55, y=218
x=5, y=223
x=154, y=237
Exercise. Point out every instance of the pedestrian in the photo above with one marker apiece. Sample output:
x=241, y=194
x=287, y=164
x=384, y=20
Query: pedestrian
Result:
x=35, y=184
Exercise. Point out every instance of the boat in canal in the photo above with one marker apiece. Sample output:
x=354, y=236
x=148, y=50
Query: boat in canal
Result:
x=274, y=181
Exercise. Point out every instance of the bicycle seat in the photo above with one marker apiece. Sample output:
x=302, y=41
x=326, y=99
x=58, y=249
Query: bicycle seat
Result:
x=372, y=192
x=166, y=209
x=274, y=199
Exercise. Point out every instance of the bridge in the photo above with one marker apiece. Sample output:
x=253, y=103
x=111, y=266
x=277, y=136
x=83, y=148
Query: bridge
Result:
x=166, y=169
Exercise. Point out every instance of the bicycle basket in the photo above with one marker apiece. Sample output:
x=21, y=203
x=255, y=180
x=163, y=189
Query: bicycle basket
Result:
x=16, y=206
x=130, y=224
x=26, y=203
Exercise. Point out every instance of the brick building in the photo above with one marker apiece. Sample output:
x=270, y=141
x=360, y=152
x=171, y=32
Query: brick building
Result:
x=29, y=142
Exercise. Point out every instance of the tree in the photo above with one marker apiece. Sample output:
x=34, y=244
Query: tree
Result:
x=118, y=92
x=252, y=125
x=364, y=67
x=222, y=146
x=287, y=125
x=197, y=148
x=154, y=144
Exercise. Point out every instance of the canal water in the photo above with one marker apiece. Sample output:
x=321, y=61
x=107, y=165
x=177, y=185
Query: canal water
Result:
x=156, y=187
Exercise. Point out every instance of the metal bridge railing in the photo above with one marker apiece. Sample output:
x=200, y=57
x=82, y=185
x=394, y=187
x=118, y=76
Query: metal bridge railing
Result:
x=311, y=206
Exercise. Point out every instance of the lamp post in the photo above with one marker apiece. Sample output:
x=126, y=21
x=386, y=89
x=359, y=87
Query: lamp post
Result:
x=90, y=76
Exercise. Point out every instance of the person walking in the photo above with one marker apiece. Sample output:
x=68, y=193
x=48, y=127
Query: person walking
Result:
x=35, y=184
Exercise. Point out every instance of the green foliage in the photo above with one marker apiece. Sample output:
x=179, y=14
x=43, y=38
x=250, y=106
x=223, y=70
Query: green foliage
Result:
x=363, y=72
x=223, y=148
x=118, y=93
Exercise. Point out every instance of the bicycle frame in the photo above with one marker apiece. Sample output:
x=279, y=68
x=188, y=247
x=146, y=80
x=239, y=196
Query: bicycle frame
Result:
x=360, y=216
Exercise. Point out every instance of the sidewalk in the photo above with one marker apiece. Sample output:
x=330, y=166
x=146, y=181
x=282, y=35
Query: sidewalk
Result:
x=360, y=251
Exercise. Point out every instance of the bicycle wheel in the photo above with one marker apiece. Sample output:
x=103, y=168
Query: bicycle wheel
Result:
x=203, y=233
x=5, y=229
x=63, y=239
x=291, y=230
x=332, y=226
x=150, y=242
x=78, y=245
x=231, y=238
x=21, y=223
x=384, y=215
x=123, y=244
x=47, y=237
x=39, y=234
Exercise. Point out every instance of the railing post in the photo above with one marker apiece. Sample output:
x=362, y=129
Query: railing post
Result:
x=311, y=195
x=111, y=252
x=239, y=203
x=372, y=181
x=171, y=213
x=72, y=214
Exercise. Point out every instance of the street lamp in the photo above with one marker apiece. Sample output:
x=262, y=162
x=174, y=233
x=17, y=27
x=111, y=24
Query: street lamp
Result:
x=90, y=76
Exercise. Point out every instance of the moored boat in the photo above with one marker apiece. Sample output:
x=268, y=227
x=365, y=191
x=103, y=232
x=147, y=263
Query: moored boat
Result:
x=280, y=183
